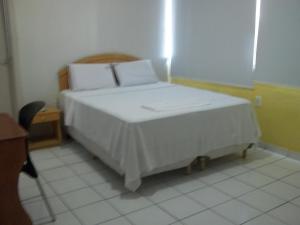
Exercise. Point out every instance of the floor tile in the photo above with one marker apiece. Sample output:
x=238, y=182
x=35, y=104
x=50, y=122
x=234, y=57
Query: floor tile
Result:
x=293, y=179
x=67, y=185
x=62, y=219
x=186, y=184
x=274, y=171
x=209, y=196
x=224, y=162
x=86, y=167
x=296, y=201
x=261, y=159
x=261, y=200
x=206, y=218
x=235, y=170
x=150, y=216
x=287, y=213
x=119, y=221
x=29, y=192
x=46, y=164
x=110, y=189
x=57, y=174
x=130, y=202
x=98, y=177
x=264, y=155
x=181, y=207
x=289, y=164
x=72, y=158
x=264, y=220
x=273, y=157
x=212, y=177
x=237, y=212
x=41, y=155
x=96, y=213
x=255, y=179
x=64, y=150
x=282, y=190
x=93, y=182
x=80, y=198
x=252, y=164
x=37, y=209
x=25, y=181
x=233, y=187
x=159, y=193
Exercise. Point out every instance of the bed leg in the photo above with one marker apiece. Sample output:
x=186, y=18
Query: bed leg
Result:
x=202, y=162
x=95, y=157
x=244, y=154
x=189, y=169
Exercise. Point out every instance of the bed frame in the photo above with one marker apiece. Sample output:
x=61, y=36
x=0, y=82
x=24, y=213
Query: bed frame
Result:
x=63, y=74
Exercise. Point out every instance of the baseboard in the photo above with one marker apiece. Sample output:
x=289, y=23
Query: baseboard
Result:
x=280, y=150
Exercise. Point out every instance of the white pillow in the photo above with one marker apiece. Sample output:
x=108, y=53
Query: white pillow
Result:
x=135, y=73
x=91, y=76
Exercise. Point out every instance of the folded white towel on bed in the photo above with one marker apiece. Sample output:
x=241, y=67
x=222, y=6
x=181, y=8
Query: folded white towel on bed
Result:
x=170, y=106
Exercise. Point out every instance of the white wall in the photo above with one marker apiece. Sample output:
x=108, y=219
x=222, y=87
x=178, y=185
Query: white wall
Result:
x=5, y=98
x=49, y=34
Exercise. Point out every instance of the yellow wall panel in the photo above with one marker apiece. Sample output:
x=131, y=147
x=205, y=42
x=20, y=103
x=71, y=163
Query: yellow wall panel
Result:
x=279, y=115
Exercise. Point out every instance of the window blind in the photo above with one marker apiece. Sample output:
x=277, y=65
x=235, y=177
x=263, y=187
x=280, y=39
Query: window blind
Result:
x=214, y=40
x=278, y=53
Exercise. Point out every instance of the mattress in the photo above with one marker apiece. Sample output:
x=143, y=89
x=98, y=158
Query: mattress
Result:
x=142, y=128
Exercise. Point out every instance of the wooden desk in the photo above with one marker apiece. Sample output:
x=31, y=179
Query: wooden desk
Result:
x=12, y=157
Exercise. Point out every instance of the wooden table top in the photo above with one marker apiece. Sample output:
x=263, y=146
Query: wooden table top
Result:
x=9, y=128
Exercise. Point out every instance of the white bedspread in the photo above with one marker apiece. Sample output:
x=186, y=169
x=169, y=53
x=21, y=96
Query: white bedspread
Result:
x=152, y=126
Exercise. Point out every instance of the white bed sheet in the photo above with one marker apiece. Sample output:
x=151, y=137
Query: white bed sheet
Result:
x=187, y=123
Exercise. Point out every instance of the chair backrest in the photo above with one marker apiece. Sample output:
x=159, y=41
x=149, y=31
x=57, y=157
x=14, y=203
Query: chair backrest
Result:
x=28, y=112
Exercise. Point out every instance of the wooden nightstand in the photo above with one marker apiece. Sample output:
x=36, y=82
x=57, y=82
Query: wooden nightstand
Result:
x=51, y=115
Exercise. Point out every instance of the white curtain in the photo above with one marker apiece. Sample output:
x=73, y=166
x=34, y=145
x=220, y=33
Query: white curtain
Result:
x=278, y=56
x=214, y=40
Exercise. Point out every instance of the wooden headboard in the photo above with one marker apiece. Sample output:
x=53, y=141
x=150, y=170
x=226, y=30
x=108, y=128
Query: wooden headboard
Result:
x=63, y=74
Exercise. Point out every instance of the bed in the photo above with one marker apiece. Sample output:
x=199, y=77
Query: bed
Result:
x=147, y=129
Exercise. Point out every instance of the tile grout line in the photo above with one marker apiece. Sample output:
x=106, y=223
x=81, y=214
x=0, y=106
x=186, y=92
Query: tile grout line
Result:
x=181, y=194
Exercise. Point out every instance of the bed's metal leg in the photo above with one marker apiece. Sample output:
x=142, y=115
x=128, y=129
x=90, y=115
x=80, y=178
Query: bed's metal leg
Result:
x=244, y=154
x=189, y=169
x=202, y=162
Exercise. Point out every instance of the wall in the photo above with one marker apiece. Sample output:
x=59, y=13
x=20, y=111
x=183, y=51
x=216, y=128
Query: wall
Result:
x=50, y=34
x=279, y=115
x=5, y=97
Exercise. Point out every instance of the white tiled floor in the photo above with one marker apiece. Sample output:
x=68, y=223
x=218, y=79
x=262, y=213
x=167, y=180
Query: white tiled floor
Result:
x=264, y=189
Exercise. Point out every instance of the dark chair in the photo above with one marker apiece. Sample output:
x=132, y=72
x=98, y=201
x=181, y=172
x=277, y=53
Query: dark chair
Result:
x=26, y=115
